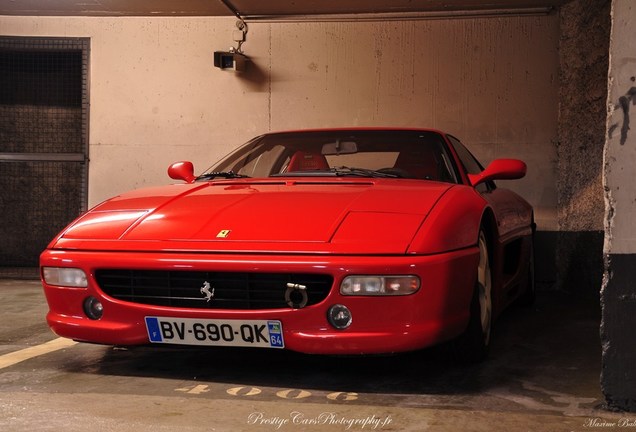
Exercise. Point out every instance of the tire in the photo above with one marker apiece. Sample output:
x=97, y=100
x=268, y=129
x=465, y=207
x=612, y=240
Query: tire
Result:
x=473, y=345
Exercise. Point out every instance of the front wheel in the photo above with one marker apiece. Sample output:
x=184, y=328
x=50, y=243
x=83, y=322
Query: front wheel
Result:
x=473, y=345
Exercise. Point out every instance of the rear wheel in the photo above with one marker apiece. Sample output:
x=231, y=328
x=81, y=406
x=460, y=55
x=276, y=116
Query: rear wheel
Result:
x=484, y=288
x=473, y=344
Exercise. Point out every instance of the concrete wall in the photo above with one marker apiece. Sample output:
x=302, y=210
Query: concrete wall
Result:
x=155, y=95
x=156, y=98
x=618, y=296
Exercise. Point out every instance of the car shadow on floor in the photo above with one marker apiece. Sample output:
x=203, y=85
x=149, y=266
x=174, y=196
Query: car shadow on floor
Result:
x=554, y=345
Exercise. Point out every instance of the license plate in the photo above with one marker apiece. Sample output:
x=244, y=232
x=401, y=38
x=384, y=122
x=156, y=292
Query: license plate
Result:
x=238, y=333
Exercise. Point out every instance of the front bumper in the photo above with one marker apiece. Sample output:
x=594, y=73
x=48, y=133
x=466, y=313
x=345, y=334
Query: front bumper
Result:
x=437, y=312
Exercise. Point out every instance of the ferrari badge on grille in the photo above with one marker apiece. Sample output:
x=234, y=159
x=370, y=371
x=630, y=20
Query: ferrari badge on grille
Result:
x=205, y=289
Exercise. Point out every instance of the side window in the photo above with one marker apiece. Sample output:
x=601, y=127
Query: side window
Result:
x=471, y=165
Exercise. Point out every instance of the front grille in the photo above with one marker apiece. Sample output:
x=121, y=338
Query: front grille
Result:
x=232, y=290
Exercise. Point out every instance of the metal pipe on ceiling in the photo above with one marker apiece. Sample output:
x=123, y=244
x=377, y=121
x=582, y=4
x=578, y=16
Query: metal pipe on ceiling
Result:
x=400, y=16
x=231, y=8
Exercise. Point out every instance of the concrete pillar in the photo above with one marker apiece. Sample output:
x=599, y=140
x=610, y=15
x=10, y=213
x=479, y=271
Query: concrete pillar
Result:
x=583, y=64
x=618, y=294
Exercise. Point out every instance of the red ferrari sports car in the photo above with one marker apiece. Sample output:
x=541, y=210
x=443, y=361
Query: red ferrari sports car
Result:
x=340, y=241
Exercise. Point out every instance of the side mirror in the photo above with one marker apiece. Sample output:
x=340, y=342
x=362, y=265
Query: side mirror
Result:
x=182, y=171
x=500, y=169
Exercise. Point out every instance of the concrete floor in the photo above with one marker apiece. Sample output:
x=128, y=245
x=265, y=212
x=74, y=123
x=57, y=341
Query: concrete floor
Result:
x=543, y=375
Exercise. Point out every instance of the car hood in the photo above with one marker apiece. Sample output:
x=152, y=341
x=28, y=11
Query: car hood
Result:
x=329, y=216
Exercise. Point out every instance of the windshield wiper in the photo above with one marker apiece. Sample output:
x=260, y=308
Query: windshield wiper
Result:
x=344, y=171
x=224, y=174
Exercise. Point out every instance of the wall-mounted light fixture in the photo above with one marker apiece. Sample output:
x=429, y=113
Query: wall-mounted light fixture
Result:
x=229, y=60
x=233, y=59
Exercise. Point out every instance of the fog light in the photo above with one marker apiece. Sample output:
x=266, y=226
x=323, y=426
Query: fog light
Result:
x=339, y=316
x=93, y=308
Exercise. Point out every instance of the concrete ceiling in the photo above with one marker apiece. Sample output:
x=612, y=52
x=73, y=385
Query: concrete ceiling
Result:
x=255, y=8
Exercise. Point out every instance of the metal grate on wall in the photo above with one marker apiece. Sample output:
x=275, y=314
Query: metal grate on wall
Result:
x=44, y=104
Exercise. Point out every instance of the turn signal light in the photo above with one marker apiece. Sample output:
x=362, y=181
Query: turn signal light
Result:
x=380, y=285
x=66, y=277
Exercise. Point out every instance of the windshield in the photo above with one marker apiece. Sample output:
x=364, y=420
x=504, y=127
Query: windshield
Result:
x=365, y=153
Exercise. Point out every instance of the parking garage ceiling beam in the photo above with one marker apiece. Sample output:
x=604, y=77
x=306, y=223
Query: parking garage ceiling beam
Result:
x=260, y=8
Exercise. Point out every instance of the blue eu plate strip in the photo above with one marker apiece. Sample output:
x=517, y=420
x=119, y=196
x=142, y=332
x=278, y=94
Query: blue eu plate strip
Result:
x=154, y=333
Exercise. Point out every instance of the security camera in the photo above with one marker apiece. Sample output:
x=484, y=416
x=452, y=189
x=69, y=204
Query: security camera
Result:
x=230, y=60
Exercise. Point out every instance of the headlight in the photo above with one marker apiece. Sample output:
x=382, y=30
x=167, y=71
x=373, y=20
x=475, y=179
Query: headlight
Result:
x=67, y=277
x=379, y=285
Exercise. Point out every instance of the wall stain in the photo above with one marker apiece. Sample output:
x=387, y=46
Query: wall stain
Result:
x=624, y=102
